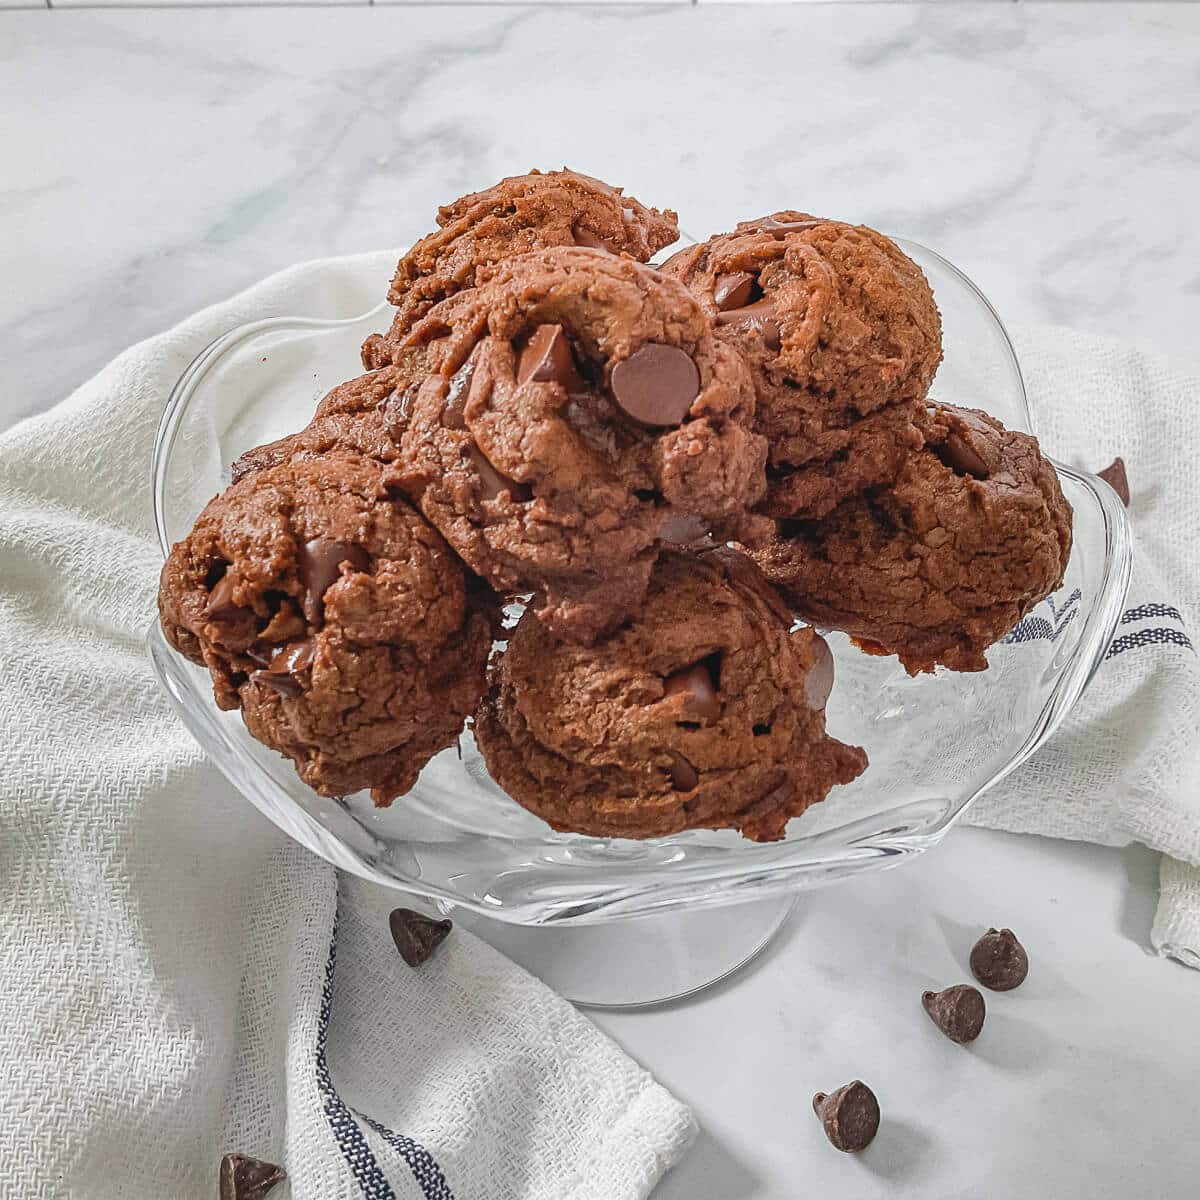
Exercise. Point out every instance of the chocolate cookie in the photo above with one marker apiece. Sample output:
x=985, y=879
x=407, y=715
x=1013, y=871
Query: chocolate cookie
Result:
x=357, y=417
x=335, y=617
x=843, y=338
x=520, y=214
x=704, y=711
x=945, y=561
x=579, y=409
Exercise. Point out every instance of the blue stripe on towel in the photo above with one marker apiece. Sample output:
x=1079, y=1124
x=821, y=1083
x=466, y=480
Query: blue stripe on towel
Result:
x=346, y=1131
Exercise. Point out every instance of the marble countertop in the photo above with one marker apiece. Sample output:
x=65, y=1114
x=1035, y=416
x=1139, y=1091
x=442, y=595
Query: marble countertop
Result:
x=158, y=160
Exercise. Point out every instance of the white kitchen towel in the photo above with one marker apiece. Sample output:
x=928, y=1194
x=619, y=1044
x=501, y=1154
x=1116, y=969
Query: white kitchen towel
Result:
x=177, y=980
x=1125, y=765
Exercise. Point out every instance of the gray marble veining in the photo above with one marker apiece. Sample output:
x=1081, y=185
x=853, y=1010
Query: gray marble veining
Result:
x=155, y=161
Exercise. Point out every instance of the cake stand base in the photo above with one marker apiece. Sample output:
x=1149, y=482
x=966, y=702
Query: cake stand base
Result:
x=638, y=961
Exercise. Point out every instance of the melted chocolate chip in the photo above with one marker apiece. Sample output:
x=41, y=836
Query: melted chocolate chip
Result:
x=491, y=482
x=698, y=684
x=594, y=241
x=849, y=1116
x=733, y=290
x=547, y=358
x=656, y=385
x=397, y=408
x=682, y=529
x=221, y=605
x=416, y=935
x=245, y=1178
x=958, y=454
x=818, y=683
x=457, y=391
x=319, y=564
x=957, y=1011
x=772, y=225
x=760, y=316
x=684, y=776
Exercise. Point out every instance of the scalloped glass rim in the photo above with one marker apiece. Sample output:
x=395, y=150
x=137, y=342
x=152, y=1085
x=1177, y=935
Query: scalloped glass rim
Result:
x=456, y=838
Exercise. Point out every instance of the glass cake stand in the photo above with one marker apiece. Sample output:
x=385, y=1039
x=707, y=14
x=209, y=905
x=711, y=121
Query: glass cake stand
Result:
x=615, y=922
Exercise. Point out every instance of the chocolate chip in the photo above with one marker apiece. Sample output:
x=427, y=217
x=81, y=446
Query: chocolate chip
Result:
x=319, y=564
x=396, y=407
x=732, y=290
x=698, y=684
x=818, y=683
x=285, y=685
x=547, y=358
x=683, y=530
x=999, y=961
x=221, y=605
x=283, y=668
x=961, y=457
x=684, y=776
x=957, y=1011
x=849, y=1116
x=457, y=391
x=1114, y=475
x=760, y=316
x=775, y=226
x=491, y=482
x=245, y=1178
x=416, y=935
x=594, y=241
x=656, y=384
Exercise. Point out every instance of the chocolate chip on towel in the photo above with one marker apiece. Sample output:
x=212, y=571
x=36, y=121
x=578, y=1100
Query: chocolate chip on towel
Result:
x=1114, y=475
x=245, y=1178
x=416, y=935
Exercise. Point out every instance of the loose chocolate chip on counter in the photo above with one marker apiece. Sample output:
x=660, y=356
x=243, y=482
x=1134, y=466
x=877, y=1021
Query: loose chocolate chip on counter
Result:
x=656, y=384
x=818, y=683
x=491, y=481
x=221, y=606
x=999, y=961
x=699, y=688
x=760, y=316
x=850, y=1116
x=245, y=1178
x=957, y=1011
x=1114, y=475
x=416, y=935
x=319, y=563
x=732, y=290
x=684, y=776
x=547, y=358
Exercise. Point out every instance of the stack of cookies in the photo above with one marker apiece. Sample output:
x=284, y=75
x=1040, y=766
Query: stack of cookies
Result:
x=666, y=468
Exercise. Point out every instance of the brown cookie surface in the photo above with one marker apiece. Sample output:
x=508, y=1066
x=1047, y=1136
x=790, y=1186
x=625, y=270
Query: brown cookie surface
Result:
x=704, y=711
x=843, y=338
x=941, y=564
x=578, y=410
x=517, y=215
x=335, y=617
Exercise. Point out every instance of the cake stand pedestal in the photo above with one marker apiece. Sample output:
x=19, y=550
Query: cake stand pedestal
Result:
x=637, y=961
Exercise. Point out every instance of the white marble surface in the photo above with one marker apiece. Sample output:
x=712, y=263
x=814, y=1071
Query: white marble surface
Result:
x=155, y=161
